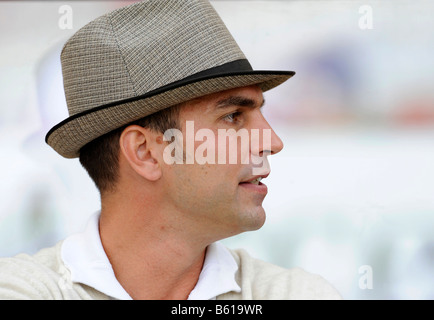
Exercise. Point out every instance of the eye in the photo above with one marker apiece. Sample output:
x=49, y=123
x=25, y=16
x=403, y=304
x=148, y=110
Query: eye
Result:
x=233, y=117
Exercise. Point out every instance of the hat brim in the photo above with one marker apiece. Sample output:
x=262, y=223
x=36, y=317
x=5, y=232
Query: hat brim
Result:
x=70, y=135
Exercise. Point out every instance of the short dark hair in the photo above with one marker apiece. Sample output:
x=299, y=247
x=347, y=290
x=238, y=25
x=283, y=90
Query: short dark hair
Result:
x=100, y=157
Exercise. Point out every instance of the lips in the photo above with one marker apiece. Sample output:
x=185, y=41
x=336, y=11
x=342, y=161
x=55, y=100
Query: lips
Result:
x=254, y=184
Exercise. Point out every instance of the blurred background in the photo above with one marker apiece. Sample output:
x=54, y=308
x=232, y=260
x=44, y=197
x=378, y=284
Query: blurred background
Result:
x=351, y=196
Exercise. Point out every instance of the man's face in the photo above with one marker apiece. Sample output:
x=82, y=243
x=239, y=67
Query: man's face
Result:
x=211, y=187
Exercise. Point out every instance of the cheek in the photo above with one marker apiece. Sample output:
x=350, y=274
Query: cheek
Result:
x=212, y=179
x=209, y=186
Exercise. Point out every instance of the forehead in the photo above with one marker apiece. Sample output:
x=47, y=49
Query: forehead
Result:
x=250, y=96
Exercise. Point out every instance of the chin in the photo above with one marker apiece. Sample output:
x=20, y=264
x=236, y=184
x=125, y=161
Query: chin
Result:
x=254, y=220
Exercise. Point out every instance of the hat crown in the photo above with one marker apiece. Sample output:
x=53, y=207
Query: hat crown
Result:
x=139, y=48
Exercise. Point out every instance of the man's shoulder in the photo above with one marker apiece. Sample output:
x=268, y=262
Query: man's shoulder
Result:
x=42, y=276
x=27, y=276
x=44, y=261
x=262, y=280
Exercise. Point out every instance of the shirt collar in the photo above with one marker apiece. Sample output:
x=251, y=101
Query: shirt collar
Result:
x=84, y=256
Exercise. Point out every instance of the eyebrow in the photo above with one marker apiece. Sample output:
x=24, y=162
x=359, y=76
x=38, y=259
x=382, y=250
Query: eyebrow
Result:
x=238, y=101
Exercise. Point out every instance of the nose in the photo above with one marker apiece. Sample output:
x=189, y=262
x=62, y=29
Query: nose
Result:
x=270, y=143
x=276, y=144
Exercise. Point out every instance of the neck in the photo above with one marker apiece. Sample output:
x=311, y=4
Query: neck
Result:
x=152, y=257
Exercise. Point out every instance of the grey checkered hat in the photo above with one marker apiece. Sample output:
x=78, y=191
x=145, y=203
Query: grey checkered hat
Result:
x=142, y=58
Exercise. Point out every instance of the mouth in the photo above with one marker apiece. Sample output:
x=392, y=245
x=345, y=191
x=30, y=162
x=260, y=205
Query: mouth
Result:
x=254, y=184
x=256, y=181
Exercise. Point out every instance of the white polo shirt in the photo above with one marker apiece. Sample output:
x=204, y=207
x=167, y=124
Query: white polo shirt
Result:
x=84, y=256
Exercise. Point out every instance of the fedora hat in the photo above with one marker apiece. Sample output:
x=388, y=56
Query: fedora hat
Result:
x=142, y=58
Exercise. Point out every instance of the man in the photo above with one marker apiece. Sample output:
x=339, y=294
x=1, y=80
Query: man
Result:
x=159, y=95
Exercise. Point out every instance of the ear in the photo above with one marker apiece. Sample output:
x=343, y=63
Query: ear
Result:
x=137, y=145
